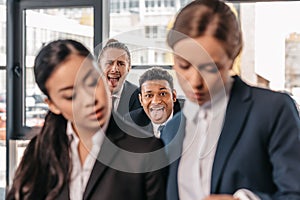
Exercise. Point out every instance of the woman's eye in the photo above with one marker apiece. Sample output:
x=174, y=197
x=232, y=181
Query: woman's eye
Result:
x=184, y=67
x=92, y=83
x=210, y=68
x=69, y=97
x=182, y=63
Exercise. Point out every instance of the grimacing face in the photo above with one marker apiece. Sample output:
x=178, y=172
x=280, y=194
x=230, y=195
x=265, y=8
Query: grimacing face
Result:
x=81, y=96
x=202, y=67
x=157, y=99
x=115, y=64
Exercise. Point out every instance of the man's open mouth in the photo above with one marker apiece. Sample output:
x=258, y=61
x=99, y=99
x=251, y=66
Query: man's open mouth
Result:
x=157, y=113
x=113, y=80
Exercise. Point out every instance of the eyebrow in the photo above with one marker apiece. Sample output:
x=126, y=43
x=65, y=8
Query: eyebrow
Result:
x=71, y=87
x=162, y=88
x=66, y=88
x=182, y=59
x=114, y=60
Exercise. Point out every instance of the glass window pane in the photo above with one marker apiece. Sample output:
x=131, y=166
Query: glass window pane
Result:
x=143, y=22
x=271, y=45
x=43, y=26
x=143, y=27
x=2, y=133
x=2, y=33
x=270, y=56
x=2, y=98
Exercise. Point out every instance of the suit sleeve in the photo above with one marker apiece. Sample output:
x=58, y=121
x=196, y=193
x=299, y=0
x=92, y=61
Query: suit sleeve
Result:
x=284, y=151
x=156, y=181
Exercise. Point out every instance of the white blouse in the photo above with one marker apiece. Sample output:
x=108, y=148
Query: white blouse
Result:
x=81, y=173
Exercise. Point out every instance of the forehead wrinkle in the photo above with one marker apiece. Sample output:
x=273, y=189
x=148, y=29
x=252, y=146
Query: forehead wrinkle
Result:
x=115, y=53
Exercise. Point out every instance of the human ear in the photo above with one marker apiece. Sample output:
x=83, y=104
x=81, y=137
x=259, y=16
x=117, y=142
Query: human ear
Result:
x=174, y=95
x=129, y=67
x=140, y=98
x=52, y=107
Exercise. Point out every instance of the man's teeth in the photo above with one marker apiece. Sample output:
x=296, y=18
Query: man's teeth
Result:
x=156, y=109
x=117, y=78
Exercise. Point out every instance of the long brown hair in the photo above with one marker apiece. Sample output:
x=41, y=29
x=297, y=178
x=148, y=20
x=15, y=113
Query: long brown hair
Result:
x=45, y=167
x=208, y=17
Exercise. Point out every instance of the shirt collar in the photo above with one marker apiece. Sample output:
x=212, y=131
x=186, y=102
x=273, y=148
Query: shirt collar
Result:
x=156, y=126
x=97, y=138
x=118, y=94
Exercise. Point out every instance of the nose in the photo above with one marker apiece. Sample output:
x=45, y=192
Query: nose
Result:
x=90, y=101
x=156, y=99
x=89, y=97
x=196, y=79
x=115, y=67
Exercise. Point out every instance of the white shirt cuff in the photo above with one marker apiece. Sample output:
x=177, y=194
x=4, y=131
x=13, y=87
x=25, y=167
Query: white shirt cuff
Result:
x=244, y=194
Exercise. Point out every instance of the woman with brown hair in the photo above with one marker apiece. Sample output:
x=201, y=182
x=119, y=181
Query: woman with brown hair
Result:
x=235, y=139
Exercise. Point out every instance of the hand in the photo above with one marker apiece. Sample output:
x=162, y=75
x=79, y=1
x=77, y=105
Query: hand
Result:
x=220, y=197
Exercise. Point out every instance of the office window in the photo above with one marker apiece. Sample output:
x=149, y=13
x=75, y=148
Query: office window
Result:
x=2, y=34
x=2, y=98
x=148, y=26
x=267, y=31
x=270, y=57
x=62, y=23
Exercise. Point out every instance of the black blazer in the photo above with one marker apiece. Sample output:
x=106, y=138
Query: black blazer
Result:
x=129, y=99
x=258, y=149
x=127, y=167
x=116, y=176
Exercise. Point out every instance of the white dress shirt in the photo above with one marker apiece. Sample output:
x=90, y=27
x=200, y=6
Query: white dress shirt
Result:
x=156, y=132
x=81, y=173
x=199, y=147
x=117, y=97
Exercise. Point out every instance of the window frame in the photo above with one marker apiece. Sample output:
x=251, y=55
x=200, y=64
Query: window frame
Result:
x=16, y=69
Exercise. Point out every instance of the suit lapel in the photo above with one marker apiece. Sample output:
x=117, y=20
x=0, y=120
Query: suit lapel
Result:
x=236, y=114
x=125, y=104
x=105, y=157
x=123, y=100
x=173, y=136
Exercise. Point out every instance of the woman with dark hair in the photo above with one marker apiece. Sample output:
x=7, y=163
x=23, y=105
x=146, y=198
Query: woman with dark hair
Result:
x=75, y=154
x=236, y=139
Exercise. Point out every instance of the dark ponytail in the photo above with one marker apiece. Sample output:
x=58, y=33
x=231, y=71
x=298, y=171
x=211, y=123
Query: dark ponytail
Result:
x=45, y=167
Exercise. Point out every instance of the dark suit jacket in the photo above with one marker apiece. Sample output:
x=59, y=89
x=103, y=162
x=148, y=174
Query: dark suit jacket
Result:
x=139, y=118
x=115, y=174
x=129, y=99
x=258, y=149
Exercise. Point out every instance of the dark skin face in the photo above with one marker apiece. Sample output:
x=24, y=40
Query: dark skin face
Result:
x=157, y=99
